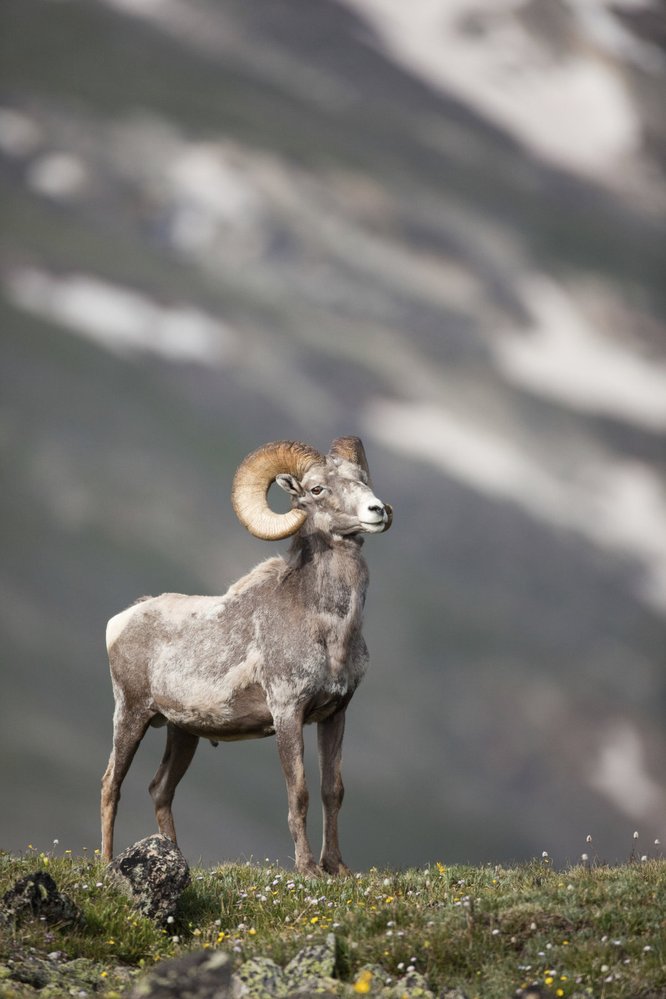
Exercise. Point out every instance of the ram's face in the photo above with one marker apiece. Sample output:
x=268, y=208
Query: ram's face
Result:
x=337, y=499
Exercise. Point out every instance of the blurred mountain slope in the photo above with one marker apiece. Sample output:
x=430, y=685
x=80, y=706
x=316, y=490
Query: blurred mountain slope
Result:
x=229, y=223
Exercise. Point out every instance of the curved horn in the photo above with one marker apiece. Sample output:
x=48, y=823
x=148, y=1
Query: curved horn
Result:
x=253, y=479
x=351, y=449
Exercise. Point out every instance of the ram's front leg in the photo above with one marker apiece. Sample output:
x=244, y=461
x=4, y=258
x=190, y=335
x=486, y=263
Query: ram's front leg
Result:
x=329, y=738
x=289, y=735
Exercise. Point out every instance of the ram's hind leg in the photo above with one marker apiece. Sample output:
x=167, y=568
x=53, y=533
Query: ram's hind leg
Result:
x=128, y=731
x=178, y=753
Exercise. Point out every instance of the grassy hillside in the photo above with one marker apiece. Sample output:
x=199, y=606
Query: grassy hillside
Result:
x=376, y=255
x=591, y=930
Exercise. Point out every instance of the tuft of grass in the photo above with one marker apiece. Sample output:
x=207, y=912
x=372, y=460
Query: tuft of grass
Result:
x=590, y=930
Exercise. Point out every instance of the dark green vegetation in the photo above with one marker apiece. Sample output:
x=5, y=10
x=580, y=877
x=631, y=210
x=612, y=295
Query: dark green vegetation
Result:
x=586, y=931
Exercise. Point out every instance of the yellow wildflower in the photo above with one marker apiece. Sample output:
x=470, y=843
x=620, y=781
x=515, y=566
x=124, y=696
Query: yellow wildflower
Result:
x=441, y=868
x=363, y=982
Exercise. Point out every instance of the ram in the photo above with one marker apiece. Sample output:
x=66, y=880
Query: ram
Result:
x=281, y=649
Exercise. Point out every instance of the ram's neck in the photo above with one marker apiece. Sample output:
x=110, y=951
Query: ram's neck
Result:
x=330, y=554
x=333, y=572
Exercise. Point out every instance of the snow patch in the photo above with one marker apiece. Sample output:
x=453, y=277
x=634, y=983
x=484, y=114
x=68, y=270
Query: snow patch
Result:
x=210, y=176
x=139, y=8
x=207, y=185
x=619, y=506
x=57, y=175
x=564, y=357
x=575, y=110
x=122, y=320
x=620, y=774
x=19, y=135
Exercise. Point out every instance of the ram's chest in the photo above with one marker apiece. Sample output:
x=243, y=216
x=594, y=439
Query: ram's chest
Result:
x=338, y=630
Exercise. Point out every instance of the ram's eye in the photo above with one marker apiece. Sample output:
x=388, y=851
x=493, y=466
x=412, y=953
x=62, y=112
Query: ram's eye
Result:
x=317, y=490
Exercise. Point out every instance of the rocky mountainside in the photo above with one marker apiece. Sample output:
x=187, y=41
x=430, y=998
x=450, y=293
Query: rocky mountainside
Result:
x=440, y=228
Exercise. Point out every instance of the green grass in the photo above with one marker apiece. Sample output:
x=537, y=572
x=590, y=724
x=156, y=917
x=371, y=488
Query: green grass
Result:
x=591, y=930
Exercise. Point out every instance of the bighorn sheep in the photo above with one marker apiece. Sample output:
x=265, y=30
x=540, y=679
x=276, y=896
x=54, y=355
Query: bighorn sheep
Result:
x=282, y=648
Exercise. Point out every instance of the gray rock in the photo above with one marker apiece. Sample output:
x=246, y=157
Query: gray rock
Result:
x=154, y=873
x=309, y=973
x=259, y=978
x=375, y=982
x=54, y=978
x=371, y=980
x=37, y=895
x=311, y=966
x=204, y=974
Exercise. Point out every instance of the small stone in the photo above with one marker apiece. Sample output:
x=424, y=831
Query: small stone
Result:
x=154, y=873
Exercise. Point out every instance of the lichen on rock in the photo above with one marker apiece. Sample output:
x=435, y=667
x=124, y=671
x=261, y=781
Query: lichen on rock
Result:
x=259, y=978
x=26, y=972
x=154, y=874
x=310, y=972
x=413, y=986
x=311, y=965
x=204, y=974
x=37, y=895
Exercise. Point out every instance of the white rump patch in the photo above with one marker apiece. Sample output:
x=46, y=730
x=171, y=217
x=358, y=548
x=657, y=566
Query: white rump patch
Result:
x=116, y=626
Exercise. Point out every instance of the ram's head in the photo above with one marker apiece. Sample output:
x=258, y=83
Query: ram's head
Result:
x=331, y=493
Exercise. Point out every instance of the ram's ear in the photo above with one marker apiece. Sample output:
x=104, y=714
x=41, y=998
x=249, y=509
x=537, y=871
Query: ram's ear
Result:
x=290, y=484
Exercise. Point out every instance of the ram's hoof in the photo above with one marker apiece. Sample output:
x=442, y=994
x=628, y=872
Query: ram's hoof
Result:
x=338, y=869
